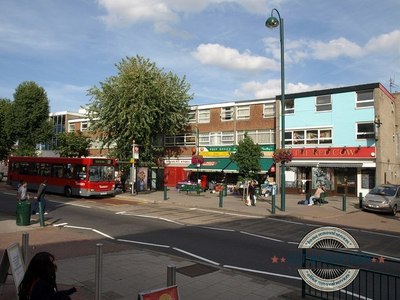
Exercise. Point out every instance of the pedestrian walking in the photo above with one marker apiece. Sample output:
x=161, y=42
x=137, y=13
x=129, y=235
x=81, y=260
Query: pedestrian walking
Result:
x=123, y=181
x=22, y=192
x=40, y=198
x=39, y=280
x=252, y=193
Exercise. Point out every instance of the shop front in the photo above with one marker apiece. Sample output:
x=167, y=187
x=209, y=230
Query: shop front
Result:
x=343, y=171
x=223, y=170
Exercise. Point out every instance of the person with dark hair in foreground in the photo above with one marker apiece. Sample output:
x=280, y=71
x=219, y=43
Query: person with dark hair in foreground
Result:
x=39, y=282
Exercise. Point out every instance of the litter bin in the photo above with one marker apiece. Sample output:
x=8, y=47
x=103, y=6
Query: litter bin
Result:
x=23, y=213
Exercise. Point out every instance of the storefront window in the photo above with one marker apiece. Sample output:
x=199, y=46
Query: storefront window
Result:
x=322, y=176
x=291, y=177
x=367, y=178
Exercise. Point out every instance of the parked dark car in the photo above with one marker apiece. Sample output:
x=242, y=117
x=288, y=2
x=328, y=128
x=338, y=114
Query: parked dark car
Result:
x=383, y=198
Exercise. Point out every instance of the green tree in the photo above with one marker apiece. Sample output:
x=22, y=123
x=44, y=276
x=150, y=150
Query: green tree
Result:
x=141, y=103
x=30, y=117
x=73, y=144
x=6, y=128
x=247, y=157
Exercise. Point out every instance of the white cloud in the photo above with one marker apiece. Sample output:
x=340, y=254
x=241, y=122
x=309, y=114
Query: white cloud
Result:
x=272, y=87
x=125, y=12
x=388, y=41
x=299, y=50
x=335, y=48
x=232, y=59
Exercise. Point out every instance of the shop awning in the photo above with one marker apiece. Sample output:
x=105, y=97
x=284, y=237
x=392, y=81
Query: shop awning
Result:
x=227, y=165
x=210, y=165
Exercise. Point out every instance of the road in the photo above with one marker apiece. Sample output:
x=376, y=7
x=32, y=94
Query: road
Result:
x=263, y=246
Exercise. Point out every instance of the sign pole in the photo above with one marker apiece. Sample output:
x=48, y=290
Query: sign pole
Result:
x=133, y=179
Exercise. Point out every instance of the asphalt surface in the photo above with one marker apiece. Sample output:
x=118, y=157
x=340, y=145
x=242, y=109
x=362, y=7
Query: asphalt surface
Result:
x=129, y=269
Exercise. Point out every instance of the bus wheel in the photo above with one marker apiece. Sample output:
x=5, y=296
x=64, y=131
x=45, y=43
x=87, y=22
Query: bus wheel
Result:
x=67, y=191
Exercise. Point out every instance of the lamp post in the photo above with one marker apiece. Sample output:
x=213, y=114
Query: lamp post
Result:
x=273, y=22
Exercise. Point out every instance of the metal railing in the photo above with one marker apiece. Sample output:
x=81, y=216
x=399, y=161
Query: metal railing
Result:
x=368, y=284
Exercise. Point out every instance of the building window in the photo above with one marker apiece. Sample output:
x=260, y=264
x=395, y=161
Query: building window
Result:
x=84, y=126
x=204, y=139
x=180, y=140
x=216, y=138
x=323, y=103
x=227, y=113
x=269, y=110
x=227, y=138
x=243, y=112
x=192, y=116
x=289, y=106
x=71, y=127
x=365, y=131
x=308, y=137
x=261, y=137
x=365, y=99
x=367, y=178
x=204, y=116
x=325, y=136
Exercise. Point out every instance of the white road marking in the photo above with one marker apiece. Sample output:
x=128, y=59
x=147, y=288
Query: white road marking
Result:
x=216, y=228
x=226, y=213
x=59, y=225
x=197, y=256
x=383, y=234
x=103, y=234
x=261, y=236
x=293, y=243
x=144, y=243
x=261, y=272
x=149, y=217
x=286, y=221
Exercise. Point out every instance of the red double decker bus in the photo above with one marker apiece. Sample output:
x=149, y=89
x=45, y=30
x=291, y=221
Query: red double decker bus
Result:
x=69, y=176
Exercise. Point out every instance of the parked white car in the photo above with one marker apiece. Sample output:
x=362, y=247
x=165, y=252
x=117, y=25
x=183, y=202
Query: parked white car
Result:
x=383, y=198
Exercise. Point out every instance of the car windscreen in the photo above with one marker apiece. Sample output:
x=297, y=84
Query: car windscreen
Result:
x=383, y=191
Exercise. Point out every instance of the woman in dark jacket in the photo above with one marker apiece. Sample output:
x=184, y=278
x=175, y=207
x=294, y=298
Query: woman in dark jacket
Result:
x=39, y=282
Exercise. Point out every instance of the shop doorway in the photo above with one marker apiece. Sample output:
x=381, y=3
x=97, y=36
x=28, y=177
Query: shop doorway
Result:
x=346, y=181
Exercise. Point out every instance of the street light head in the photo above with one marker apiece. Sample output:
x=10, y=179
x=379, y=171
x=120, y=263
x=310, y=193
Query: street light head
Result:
x=272, y=22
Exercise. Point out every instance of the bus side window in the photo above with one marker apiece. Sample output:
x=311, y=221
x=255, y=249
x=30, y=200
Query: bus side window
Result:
x=58, y=171
x=80, y=173
x=68, y=171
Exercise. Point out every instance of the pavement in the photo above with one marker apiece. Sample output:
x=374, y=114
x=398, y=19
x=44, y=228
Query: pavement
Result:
x=128, y=269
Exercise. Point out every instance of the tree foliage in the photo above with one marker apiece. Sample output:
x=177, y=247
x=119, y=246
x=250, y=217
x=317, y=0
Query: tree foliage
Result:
x=6, y=128
x=141, y=103
x=31, y=124
x=73, y=144
x=247, y=157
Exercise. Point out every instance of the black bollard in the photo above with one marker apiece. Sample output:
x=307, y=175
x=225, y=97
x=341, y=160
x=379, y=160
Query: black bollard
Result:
x=41, y=214
x=165, y=193
x=360, y=198
x=221, y=198
x=273, y=204
x=344, y=202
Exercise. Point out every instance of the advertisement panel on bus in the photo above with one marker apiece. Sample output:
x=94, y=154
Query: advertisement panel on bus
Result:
x=84, y=177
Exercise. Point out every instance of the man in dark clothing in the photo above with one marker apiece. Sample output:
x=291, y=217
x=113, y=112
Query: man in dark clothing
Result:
x=40, y=198
x=252, y=193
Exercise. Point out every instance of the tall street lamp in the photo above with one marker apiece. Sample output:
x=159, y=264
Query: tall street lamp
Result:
x=273, y=22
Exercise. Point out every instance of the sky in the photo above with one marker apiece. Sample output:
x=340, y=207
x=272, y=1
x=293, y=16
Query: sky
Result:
x=222, y=48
